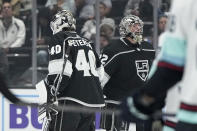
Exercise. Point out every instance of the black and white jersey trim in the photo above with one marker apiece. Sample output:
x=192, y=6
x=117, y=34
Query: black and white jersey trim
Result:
x=123, y=41
x=105, y=79
x=112, y=102
x=148, y=50
x=124, y=52
x=101, y=72
x=56, y=66
x=81, y=102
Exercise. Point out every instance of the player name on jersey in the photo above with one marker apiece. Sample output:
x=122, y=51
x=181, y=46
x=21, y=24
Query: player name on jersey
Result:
x=80, y=42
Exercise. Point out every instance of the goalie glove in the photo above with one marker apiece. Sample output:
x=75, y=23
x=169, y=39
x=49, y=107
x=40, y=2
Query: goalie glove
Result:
x=140, y=107
x=130, y=113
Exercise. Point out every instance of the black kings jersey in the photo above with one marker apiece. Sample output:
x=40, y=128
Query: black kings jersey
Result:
x=126, y=67
x=80, y=81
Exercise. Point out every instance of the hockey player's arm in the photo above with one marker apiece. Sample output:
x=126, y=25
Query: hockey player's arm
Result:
x=60, y=68
x=110, y=61
x=99, y=67
x=143, y=103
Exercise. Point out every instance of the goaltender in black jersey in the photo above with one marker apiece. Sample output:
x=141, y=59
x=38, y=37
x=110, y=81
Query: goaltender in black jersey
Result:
x=80, y=81
x=127, y=63
x=126, y=67
x=80, y=84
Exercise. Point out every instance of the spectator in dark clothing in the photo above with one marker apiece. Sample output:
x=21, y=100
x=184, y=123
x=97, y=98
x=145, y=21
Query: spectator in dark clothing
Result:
x=146, y=10
x=44, y=34
x=107, y=30
x=44, y=31
x=162, y=23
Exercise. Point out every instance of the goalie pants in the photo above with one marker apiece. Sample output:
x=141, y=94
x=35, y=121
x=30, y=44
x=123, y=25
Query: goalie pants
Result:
x=69, y=121
x=114, y=123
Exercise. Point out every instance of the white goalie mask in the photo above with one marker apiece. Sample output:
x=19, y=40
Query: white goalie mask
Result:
x=63, y=20
x=127, y=23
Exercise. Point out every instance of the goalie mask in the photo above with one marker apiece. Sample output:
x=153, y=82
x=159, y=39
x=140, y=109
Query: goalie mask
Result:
x=63, y=20
x=131, y=26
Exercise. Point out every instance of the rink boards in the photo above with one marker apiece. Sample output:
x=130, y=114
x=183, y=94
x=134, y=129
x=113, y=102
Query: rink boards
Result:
x=19, y=118
x=22, y=118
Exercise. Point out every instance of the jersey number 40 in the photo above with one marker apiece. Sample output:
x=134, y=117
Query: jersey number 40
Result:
x=88, y=67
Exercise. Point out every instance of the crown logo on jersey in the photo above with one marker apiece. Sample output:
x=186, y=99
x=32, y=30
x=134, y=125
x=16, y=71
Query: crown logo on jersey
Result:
x=142, y=69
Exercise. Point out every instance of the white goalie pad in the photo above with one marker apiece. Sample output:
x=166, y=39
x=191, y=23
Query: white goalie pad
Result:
x=42, y=92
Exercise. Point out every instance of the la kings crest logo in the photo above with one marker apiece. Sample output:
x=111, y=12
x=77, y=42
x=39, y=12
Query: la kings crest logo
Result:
x=142, y=69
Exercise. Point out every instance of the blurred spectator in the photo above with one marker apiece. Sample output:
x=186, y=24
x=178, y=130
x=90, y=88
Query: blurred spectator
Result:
x=107, y=30
x=26, y=5
x=12, y=30
x=108, y=4
x=79, y=6
x=88, y=10
x=44, y=34
x=16, y=6
x=44, y=31
x=104, y=40
x=132, y=7
x=161, y=28
x=162, y=23
x=108, y=27
x=0, y=5
x=80, y=3
x=89, y=28
x=26, y=14
x=41, y=3
x=146, y=10
x=165, y=6
x=56, y=5
x=3, y=62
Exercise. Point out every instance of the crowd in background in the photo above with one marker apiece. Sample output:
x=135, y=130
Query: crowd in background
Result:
x=16, y=26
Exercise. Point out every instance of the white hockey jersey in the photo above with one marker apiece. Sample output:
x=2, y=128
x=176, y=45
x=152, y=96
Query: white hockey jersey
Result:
x=180, y=49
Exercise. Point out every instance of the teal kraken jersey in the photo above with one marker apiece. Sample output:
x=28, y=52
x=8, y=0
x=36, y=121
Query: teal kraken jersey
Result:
x=179, y=48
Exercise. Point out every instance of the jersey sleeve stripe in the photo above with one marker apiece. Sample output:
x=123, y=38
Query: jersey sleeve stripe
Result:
x=188, y=107
x=173, y=60
x=147, y=50
x=118, y=55
x=170, y=124
x=56, y=66
x=170, y=66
